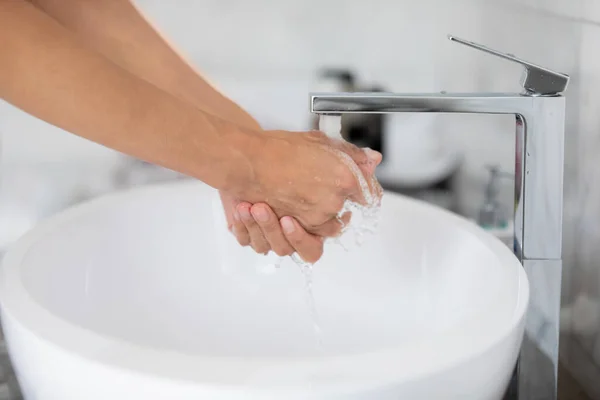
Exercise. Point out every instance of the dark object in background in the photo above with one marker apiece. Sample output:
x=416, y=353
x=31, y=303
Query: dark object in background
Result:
x=344, y=76
x=333, y=80
x=363, y=130
x=367, y=130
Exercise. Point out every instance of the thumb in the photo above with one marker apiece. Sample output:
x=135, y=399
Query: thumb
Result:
x=373, y=155
x=373, y=160
x=367, y=161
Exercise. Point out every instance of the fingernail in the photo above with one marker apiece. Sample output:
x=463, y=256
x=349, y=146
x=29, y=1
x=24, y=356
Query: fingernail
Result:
x=288, y=225
x=245, y=213
x=260, y=214
x=236, y=216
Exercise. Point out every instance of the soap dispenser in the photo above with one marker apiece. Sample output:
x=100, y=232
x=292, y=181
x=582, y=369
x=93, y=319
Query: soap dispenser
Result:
x=493, y=217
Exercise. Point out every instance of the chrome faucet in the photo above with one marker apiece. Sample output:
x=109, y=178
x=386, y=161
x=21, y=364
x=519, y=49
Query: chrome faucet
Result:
x=540, y=127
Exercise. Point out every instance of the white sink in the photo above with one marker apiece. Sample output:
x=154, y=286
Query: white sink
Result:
x=131, y=297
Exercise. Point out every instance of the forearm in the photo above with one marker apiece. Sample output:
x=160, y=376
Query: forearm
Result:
x=48, y=73
x=122, y=34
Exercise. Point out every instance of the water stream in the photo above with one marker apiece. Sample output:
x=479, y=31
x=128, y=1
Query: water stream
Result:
x=365, y=217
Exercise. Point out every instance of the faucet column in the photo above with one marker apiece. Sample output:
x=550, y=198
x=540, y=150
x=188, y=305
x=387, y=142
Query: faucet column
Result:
x=538, y=234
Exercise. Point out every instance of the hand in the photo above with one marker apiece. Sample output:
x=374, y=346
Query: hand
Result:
x=307, y=176
x=258, y=226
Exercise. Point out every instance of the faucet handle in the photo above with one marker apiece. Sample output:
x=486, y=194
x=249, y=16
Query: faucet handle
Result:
x=537, y=80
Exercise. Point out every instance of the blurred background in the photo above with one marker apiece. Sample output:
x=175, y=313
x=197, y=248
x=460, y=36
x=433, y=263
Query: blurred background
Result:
x=267, y=55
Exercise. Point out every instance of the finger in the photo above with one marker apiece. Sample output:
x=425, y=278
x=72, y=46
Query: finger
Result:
x=239, y=229
x=333, y=227
x=234, y=224
x=257, y=240
x=271, y=230
x=367, y=163
x=309, y=247
x=366, y=159
x=374, y=156
x=228, y=204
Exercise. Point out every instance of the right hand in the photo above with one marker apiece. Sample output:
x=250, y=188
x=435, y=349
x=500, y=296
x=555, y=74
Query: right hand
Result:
x=258, y=226
x=304, y=176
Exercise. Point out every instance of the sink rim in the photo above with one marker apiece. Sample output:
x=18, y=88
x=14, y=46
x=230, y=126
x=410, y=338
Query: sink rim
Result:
x=19, y=306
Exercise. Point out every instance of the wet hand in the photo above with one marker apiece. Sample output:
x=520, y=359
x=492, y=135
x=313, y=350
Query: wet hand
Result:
x=308, y=176
x=258, y=226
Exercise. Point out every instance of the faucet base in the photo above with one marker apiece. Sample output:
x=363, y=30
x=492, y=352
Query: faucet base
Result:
x=536, y=374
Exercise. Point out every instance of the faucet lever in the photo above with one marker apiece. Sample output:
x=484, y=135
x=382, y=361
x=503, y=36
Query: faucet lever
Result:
x=537, y=80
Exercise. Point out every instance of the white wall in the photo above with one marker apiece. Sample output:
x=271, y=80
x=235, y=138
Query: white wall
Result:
x=264, y=54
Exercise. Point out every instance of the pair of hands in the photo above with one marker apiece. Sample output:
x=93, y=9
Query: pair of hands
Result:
x=301, y=183
x=258, y=226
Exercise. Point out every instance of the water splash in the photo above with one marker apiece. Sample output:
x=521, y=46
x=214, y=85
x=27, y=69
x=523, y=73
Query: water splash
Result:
x=365, y=215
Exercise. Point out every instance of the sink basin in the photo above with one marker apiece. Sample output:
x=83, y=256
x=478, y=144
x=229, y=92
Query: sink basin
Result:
x=145, y=295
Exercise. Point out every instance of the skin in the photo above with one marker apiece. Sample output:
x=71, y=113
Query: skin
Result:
x=102, y=58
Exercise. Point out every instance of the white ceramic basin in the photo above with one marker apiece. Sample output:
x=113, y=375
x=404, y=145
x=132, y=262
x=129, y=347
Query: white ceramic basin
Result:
x=131, y=297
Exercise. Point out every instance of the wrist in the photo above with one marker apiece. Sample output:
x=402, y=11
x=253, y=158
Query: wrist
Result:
x=242, y=160
x=232, y=165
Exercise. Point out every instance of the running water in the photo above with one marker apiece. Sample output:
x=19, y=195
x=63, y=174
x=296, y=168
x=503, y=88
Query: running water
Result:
x=306, y=269
x=331, y=125
x=365, y=217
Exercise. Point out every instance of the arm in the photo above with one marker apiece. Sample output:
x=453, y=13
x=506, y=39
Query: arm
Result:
x=53, y=74
x=50, y=73
x=120, y=32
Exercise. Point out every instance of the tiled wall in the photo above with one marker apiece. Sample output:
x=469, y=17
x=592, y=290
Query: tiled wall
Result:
x=264, y=54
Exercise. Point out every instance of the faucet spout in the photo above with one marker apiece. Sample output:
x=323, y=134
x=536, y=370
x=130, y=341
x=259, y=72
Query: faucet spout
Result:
x=381, y=103
x=539, y=165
